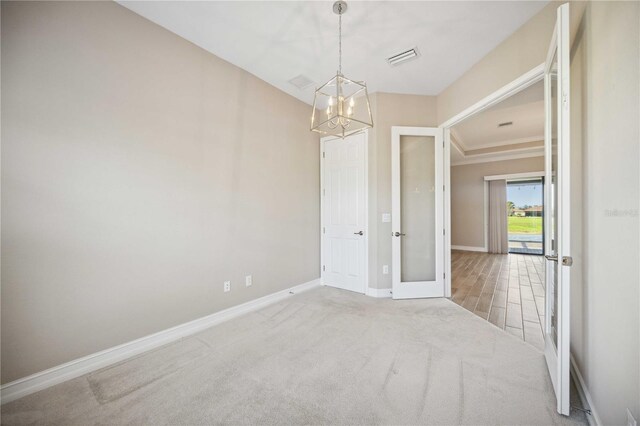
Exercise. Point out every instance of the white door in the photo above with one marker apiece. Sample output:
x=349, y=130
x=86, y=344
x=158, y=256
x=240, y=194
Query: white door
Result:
x=417, y=212
x=557, y=220
x=344, y=212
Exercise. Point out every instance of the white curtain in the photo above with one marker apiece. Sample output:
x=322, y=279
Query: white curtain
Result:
x=498, y=232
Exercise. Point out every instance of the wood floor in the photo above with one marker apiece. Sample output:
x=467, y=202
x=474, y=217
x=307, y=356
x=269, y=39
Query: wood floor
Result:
x=507, y=290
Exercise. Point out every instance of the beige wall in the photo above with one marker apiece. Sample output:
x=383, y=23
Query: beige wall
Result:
x=138, y=173
x=605, y=101
x=389, y=110
x=467, y=196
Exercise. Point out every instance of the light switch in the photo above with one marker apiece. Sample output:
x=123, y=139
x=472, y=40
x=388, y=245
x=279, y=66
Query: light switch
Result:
x=386, y=217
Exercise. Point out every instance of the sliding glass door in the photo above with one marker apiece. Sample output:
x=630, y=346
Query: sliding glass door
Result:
x=525, y=210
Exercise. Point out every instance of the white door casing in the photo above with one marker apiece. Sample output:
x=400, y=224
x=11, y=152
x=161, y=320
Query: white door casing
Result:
x=415, y=287
x=557, y=221
x=344, y=231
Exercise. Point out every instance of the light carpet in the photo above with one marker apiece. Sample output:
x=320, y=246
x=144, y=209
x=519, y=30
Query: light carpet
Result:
x=325, y=356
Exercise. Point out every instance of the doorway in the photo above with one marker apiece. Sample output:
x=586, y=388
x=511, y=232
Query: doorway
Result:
x=496, y=207
x=555, y=72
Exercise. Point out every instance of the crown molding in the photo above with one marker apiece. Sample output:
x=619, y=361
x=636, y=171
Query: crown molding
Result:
x=510, y=155
x=509, y=142
x=461, y=146
x=456, y=143
x=485, y=157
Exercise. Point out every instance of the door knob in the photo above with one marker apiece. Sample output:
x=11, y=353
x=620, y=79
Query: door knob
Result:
x=566, y=260
x=398, y=234
x=358, y=233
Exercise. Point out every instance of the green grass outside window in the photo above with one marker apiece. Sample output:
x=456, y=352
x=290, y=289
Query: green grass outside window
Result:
x=525, y=225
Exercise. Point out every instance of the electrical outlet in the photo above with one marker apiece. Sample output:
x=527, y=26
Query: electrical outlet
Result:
x=385, y=269
x=248, y=280
x=227, y=286
x=631, y=421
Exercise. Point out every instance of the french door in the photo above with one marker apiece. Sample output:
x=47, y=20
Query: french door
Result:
x=417, y=212
x=344, y=212
x=557, y=220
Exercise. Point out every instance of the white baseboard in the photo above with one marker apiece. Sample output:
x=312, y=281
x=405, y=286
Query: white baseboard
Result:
x=76, y=368
x=585, y=396
x=469, y=248
x=379, y=292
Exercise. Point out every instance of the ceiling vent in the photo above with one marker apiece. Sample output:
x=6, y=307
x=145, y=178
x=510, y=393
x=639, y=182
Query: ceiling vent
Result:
x=506, y=123
x=404, y=56
x=301, y=82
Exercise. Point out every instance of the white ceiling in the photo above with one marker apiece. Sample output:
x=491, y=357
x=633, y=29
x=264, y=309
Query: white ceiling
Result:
x=277, y=41
x=481, y=132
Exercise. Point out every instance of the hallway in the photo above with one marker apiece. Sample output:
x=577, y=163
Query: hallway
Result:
x=506, y=290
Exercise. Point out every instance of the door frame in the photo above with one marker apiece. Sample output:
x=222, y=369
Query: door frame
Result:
x=365, y=289
x=527, y=79
x=396, y=133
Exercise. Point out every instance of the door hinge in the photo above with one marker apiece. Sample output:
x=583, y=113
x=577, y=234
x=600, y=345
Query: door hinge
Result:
x=444, y=275
x=443, y=232
x=323, y=230
x=324, y=191
x=323, y=267
x=442, y=188
x=322, y=154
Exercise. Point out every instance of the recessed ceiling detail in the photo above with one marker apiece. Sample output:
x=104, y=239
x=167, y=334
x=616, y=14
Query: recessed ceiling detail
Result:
x=513, y=128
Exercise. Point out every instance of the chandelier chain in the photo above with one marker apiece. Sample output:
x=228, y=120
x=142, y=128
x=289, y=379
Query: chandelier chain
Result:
x=340, y=40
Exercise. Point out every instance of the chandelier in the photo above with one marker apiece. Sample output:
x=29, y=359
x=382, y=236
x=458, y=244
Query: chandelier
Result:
x=341, y=106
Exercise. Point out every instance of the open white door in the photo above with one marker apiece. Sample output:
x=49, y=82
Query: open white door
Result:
x=417, y=212
x=557, y=220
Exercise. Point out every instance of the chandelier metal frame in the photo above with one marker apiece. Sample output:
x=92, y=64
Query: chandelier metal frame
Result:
x=341, y=94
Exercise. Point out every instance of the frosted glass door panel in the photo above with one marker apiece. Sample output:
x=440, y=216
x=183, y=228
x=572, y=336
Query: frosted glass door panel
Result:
x=418, y=208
